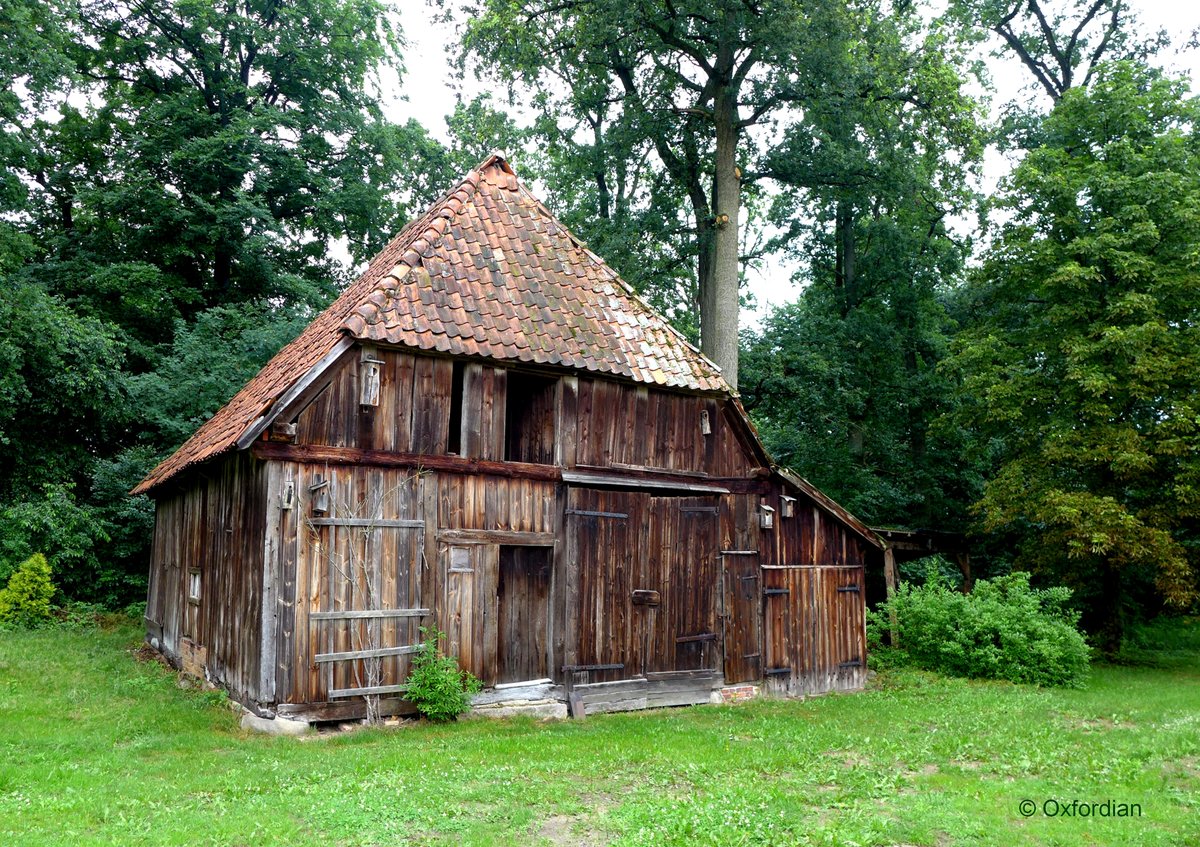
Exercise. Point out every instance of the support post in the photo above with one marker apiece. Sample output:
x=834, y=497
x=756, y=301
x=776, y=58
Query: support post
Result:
x=889, y=575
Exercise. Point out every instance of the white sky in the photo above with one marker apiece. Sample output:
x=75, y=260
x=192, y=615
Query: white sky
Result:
x=429, y=90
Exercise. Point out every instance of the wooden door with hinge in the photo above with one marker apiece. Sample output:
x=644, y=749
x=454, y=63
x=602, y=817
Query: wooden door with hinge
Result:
x=366, y=605
x=814, y=628
x=680, y=561
x=606, y=565
x=743, y=611
x=843, y=596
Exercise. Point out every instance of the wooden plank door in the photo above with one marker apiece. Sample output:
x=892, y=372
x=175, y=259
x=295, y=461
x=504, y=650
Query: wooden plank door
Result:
x=470, y=613
x=743, y=616
x=841, y=629
x=523, y=603
x=367, y=610
x=601, y=529
x=681, y=561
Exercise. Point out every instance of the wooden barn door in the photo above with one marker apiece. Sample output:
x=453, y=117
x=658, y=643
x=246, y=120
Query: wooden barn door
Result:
x=607, y=567
x=841, y=596
x=368, y=608
x=743, y=616
x=815, y=638
x=681, y=547
x=523, y=603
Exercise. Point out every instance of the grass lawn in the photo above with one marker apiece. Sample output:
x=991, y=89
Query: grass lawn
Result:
x=98, y=748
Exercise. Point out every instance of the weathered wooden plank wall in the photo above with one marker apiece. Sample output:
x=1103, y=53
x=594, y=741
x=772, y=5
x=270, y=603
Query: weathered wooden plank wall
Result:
x=622, y=426
x=213, y=524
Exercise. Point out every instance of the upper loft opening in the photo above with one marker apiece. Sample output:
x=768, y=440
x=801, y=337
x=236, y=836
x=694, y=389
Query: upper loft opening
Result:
x=529, y=418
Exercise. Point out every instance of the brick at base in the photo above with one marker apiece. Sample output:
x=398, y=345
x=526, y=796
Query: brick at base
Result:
x=738, y=693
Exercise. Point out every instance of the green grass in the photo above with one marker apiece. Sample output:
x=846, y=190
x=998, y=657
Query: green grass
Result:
x=96, y=748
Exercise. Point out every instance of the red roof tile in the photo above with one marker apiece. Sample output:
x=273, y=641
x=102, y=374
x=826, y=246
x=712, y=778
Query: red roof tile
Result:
x=486, y=271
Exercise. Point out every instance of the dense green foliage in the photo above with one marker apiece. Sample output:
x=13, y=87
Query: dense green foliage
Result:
x=100, y=749
x=1003, y=629
x=25, y=600
x=1082, y=355
x=437, y=686
x=843, y=382
x=174, y=175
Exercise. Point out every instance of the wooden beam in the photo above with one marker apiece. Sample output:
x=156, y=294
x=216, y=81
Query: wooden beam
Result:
x=889, y=576
x=497, y=536
x=366, y=690
x=356, y=614
x=377, y=653
x=386, y=459
x=372, y=523
x=598, y=480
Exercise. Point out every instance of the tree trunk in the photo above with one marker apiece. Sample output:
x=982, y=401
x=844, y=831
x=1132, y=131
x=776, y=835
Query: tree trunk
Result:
x=1112, y=611
x=845, y=263
x=719, y=300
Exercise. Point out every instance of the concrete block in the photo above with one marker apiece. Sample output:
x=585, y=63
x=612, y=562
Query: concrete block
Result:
x=274, y=726
x=538, y=709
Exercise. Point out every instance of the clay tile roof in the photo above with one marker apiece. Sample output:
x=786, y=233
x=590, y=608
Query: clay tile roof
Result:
x=486, y=271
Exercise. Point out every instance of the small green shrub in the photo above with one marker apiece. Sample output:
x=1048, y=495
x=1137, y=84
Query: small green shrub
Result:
x=1003, y=629
x=437, y=686
x=25, y=601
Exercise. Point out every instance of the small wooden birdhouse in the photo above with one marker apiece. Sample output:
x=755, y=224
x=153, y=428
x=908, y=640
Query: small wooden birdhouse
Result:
x=787, y=506
x=319, y=493
x=369, y=377
x=766, y=516
x=287, y=497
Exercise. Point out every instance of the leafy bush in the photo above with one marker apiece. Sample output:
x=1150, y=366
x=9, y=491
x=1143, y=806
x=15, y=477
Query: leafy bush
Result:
x=25, y=601
x=437, y=686
x=1003, y=629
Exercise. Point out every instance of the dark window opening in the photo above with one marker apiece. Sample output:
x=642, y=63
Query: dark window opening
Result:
x=529, y=418
x=454, y=436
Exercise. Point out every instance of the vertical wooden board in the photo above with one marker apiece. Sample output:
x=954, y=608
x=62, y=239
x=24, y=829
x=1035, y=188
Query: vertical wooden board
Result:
x=285, y=619
x=468, y=487
x=586, y=435
x=675, y=446
x=605, y=411
x=488, y=441
x=650, y=411
x=487, y=636
x=818, y=536
x=348, y=410
x=472, y=424
x=272, y=583
x=402, y=418
x=432, y=577
x=422, y=405
x=567, y=428
x=317, y=550
x=499, y=413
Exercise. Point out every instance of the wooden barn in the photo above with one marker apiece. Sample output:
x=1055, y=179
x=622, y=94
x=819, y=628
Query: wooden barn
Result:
x=489, y=432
